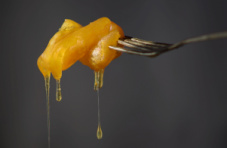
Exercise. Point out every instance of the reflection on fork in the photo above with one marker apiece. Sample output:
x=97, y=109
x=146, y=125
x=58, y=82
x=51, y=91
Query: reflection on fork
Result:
x=151, y=49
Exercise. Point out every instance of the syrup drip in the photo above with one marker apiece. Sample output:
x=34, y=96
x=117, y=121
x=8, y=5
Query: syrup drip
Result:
x=99, y=132
x=97, y=85
x=58, y=90
x=47, y=87
x=98, y=79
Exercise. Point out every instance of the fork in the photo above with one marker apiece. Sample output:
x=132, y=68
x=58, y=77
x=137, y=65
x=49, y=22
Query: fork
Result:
x=152, y=49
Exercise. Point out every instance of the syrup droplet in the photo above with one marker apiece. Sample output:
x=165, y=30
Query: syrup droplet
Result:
x=58, y=90
x=47, y=87
x=97, y=85
x=99, y=132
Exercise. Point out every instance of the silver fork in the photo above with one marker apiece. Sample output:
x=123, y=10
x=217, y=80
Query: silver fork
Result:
x=151, y=49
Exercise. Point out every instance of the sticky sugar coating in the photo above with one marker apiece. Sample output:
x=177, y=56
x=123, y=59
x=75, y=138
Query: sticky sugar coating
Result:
x=88, y=44
x=100, y=55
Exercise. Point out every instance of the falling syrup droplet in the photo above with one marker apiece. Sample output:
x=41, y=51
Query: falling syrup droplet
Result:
x=97, y=85
x=99, y=132
x=58, y=90
x=47, y=87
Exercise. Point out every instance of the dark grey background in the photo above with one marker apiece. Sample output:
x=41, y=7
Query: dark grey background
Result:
x=177, y=100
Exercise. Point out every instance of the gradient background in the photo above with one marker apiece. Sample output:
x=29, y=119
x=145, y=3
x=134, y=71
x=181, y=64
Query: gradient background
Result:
x=177, y=100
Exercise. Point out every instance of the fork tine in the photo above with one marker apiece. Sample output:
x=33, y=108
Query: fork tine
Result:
x=150, y=42
x=142, y=45
x=151, y=49
x=131, y=45
x=149, y=54
x=139, y=47
x=148, y=47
